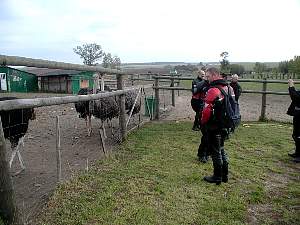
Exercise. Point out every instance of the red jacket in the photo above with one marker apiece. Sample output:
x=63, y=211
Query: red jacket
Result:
x=212, y=94
x=199, y=95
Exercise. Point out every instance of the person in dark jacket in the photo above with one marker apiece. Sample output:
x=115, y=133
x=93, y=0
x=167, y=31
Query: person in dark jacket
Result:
x=236, y=86
x=215, y=134
x=294, y=110
x=198, y=95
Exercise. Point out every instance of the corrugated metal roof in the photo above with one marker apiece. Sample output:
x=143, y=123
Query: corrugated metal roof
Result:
x=49, y=72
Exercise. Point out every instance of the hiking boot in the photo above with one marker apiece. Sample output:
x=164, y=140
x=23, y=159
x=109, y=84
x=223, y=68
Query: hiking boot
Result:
x=296, y=159
x=195, y=128
x=225, y=179
x=216, y=178
x=225, y=173
x=292, y=155
x=213, y=179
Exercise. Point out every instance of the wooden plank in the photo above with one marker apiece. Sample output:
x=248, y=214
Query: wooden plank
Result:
x=263, y=103
x=102, y=140
x=8, y=208
x=122, y=119
x=156, y=90
x=40, y=102
x=58, y=151
x=40, y=63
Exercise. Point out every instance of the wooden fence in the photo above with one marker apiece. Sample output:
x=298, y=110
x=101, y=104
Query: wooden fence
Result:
x=275, y=76
x=263, y=92
x=8, y=210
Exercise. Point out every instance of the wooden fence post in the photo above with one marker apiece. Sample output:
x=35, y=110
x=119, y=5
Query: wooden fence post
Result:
x=156, y=90
x=173, y=92
x=263, y=101
x=122, y=120
x=58, y=152
x=132, y=81
x=8, y=208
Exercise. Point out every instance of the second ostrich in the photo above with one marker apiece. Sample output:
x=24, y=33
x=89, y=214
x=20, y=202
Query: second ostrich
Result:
x=104, y=109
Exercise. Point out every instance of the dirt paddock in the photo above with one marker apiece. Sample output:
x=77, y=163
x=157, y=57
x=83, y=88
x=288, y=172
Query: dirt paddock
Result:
x=34, y=186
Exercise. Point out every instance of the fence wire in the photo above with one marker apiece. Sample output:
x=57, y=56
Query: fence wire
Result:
x=79, y=150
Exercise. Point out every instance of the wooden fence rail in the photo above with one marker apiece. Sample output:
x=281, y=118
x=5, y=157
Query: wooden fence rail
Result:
x=263, y=92
x=8, y=210
x=40, y=102
x=40, y=63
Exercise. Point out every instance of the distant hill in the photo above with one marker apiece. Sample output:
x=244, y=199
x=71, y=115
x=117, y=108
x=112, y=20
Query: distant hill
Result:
x=165, y=67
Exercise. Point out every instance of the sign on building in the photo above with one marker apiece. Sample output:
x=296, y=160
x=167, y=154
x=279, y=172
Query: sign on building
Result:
x=3, y=84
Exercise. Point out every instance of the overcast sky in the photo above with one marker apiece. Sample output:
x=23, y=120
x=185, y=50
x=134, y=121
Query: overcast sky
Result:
x=154, y=30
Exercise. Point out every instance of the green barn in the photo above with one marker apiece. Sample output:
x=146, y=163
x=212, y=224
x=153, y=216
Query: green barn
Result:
x=15, y=80
x=61, y=81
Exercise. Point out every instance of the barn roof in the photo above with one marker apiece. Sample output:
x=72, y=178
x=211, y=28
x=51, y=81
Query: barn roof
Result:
x=18, y=69
x=41, y=72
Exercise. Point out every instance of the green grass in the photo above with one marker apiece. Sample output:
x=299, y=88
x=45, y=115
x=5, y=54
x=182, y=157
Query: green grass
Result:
x=270, y=87
x=155, y=179
x=186, y=83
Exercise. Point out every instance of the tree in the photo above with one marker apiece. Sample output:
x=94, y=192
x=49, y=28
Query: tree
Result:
x=283, y=67
x=90, y=53
x=116, y=62
x=236, y=69
x=294, y=65
x=111, y=62
x=186, y=68
x=107, y=60
x=260, y=67
x=225, y=68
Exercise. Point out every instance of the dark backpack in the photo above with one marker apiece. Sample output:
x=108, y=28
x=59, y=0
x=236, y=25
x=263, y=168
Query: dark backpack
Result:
x=226, y=113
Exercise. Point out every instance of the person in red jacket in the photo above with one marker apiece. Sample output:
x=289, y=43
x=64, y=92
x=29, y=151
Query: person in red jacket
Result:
x=215, y=134
x=198, y=94
x=199, y=87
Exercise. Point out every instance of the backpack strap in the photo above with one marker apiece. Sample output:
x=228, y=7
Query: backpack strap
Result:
x=222, y=91
x=225, y=102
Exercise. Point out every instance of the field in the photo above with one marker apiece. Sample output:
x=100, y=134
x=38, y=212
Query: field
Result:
x=37, y=183
x=155, y=179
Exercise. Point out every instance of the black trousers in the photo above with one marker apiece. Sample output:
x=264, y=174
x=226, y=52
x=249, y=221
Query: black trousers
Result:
x=203, y=146
x=197, y=105
x=296, y=134
x=216, y=149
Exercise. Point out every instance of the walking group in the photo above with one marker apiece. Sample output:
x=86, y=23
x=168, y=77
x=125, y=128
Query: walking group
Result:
x=215, y=103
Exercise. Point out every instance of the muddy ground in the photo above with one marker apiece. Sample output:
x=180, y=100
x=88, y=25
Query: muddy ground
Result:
x=34, y=186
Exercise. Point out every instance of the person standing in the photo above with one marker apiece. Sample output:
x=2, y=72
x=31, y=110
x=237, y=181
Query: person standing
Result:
x=198, y=95
x=294, y=110
x=236, y=86
x=215, y=133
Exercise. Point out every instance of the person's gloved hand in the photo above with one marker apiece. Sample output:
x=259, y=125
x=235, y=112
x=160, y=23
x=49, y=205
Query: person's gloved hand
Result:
x=291, y=83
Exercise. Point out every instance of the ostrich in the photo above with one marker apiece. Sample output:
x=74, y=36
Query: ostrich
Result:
x=83, y=109
x=15, y=125
x=105, y=108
